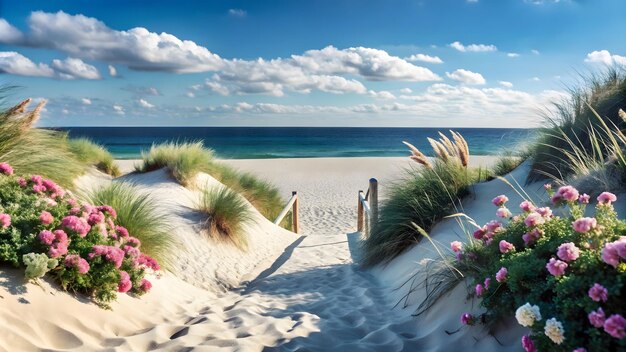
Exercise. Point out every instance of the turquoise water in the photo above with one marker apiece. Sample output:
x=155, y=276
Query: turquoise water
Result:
x=297, y=142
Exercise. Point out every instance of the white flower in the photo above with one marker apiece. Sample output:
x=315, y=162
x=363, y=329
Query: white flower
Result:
x=554, y=330
x=526, y=315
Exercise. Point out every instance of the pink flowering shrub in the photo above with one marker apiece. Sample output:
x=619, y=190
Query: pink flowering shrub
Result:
x=565, y=261
x=92, y=253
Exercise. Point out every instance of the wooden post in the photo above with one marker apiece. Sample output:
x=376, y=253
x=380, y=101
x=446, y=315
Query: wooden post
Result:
x=373, y=201
x=296, y=225
x=359, y=221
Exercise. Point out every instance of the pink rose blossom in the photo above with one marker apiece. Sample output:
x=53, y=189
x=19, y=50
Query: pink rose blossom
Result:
x=76, y=224
x=125, y=285
x=500, y=200
x=527, y=206
x=532, y=236
x=145, y=285
x=95, y=218
x=568, y=193
x=132, y=241
x=480, y=233
x=606, y=198
x=467, y=319
x=596, y=318
x=506, y=247
x=36, y=179
x=615, y=326
x=148, y=262
x=59, y=245
x=493, y=226
x=501, y=275
x=456, y=246
x=5, y=220
x=121, y=231
x=556, y=267
x=546, y=212
x=112, y=254
x=6, y=169
x=487, y=283
x=75, y=261
x=584, y=198
x=107, y=209
x=598, y=293
x=46, y=218
x=46, y=237
x=527, y=344
x=568, y=252
x=534, y=219
x=38, y=188
x=584, y=225
x=479, y=290
x=503, y=213
x=22, y=182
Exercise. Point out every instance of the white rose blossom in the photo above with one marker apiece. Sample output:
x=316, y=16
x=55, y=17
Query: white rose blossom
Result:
x=554, y=330
x=526, y=315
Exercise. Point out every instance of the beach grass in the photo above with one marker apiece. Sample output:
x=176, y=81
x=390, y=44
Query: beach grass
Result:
x=137, y=212
x=505, y=164
x=225, y=213
x=572, y=126
x=91, y=153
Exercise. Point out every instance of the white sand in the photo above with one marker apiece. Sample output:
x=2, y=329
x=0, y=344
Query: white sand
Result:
x=312, y=298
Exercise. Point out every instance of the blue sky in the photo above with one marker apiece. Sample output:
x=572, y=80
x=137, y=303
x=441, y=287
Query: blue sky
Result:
x=457, y=63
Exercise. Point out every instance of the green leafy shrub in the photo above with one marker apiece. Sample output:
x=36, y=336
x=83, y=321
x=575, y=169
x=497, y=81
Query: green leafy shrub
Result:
x=560, y=273
x=91, y=153
x=81, y=246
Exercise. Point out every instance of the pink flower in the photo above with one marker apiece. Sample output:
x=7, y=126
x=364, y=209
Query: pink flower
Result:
x=547, y=186
x=108, y=210
x=38, y=188
x=584, y=198
x=6, y=169
x=596, y=318
x=121, y=231
x=75, y=261
x=506, y=247
x=112, y=254
x=580, y=349
x=615, y=326
x=456, y=246
x=479, y=233
x=598, y=293
x=145, y=285
x=612, y=251
x=568, y=252
x=584, y=225
x=479, y=290
x=534, y=219
x=5, y=220
x=532, y=236
x=527, y=344
x=22, y=182
x=568, y=193
x=132, y=241
x=57, y=241
x=46, y=237
x=95, y=218
x=606, y=198
x=500, y=200
x=467, y=319
x=36, y=179
x=527, y=206
x=148, y=262
x=46, y=218
x=503, y=213
x=125, y=285
x=546, y=212
x=493, y=226
x=487, y=283
x=556, y=267
x=501, y=275
x=76, y=224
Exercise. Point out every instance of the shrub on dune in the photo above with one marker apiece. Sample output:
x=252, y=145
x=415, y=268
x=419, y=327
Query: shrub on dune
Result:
x=226, y=213
x=136, y=212
x=505, y=164
x=94, y=154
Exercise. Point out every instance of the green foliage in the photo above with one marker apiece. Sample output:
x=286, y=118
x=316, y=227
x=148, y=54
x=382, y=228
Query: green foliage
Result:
x=426, y=196
x=226, y=212
x=81, y=246
x=505, y=164
x=571, y=127
x=563, y=297
x=91, y=153
x=137, y=212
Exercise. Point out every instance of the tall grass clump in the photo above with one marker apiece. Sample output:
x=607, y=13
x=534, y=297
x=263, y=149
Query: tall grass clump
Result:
x=423, y=198
x=505, y=164
x=36, y=151
x=572, y=126
x=92, y=153
x=137, y=212
x=226, y=213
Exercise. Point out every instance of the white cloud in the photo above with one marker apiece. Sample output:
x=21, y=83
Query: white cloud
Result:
x=535, y=52
x=466, y=77
x=8, y=33
x=473, y=47
x=406, y=90
x=86, y=101
x=383, y=95
x=513, y=55
x=237, y=12
x=118, y=109
x=605, y=57
x=18, y=64
x=535, y=79
x=112, y=71
x=424, y=58
x=506, y=84
x=144, y=104
x=72, y=68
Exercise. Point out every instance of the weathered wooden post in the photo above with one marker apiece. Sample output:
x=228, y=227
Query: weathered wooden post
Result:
x=373, y=200
x=296, y=225
x=359, y=221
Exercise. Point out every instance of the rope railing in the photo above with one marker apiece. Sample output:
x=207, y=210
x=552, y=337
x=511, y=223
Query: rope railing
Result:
x=292, y=206
x=367, y=208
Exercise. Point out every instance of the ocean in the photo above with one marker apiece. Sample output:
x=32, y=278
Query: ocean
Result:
x=297, y=142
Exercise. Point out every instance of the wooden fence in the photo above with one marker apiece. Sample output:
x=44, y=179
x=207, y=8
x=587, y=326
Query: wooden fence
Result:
x=292, y=206
x=367, y=213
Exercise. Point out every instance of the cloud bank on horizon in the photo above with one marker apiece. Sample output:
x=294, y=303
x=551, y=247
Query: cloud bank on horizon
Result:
x=93, y=72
